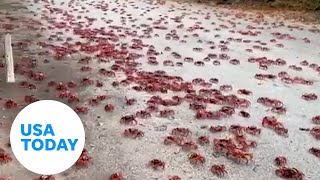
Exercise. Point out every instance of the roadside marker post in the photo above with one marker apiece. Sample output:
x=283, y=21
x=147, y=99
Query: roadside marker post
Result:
x=9, y=59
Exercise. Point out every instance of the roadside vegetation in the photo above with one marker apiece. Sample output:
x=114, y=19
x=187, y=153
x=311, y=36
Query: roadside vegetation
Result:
x=308, y=5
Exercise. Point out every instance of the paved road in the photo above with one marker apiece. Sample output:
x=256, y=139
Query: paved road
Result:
x=139, y=49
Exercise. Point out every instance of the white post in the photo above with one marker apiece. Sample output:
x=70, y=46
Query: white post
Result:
x=9, y=59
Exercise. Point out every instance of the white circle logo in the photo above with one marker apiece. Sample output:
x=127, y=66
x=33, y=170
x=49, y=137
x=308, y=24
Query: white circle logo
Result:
x=47, y=137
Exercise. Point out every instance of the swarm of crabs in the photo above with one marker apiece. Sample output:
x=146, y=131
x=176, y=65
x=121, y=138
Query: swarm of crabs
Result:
x=116, y=56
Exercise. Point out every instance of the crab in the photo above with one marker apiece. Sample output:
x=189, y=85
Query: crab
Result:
x=30, y=99
x=166, y=113
x=315, y=132
x=6, y=178
x=116, y=176
x=223, y=145
x=4, y=158
x=279, y=110
x=196, y=159
x=84, y=159
x=316, y=119
x=174, y=178
x=45, y=177
x=244, y=114
x=181, y=132
x=81, y=110
x=133, y=133
x=225, y=88
x=71, y=84
x=239, y=156
x=315, y=151
x=86, y=81
x=280, y=161
x=59, y=86
x=203, y=140
x=157, y=164
x=173, y=140
x=143, y=114
x=217, y=129
x=253, y=130
x=129, y=120
x=108, y=107
x=197, y=106
x=237, y=129
x=227, y=111
x=272, y=123
x=130, y=102
x=309, y=96
x=219, y=170
x=9, y=104
x=189, y=145
x=289, y=173
x=244, y=144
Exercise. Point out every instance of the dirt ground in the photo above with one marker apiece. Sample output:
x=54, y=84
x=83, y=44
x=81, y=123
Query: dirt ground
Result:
x=64, y=40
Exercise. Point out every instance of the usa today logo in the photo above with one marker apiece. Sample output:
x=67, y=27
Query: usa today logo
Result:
x=47, y=137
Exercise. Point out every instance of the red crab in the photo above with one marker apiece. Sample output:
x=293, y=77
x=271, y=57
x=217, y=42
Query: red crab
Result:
x=37, y=76
x=244, y=92
x=81, y=110
x=223, y=145
x=197, y=106
x=116, y=176
x=239, y=156
x=143, y=114
x=309, y=96
x=174, y=178
x=166, y=113
x=253, y=130
x=189, y=145
x=85, y=68
x=99, y=83
x=84, y=159
x=129, y=120
x=86, y=81
x=199, y=63
x=315, y=151
x=9, y=104
x=225, y=88
x=59, y=86
x=30, y=99
x=219, y=170
x=289, y=173
x=133, y=133
x=6, y=178
x=272, y=123
x=182, y=132
x=218, y=128
x=279, y=110
x=157, y=164
x=45, y=177
x=316, y=119
x=280, y=161
x=71, y=84
x=237, y=129
x=173, y=140
x=282, y=131
x=109, y=108
x=196, y=159
x=315, y=132
x=4, y=158
x=245, y=144
x=203, y=140
x=131, y=101
x=244, y=114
